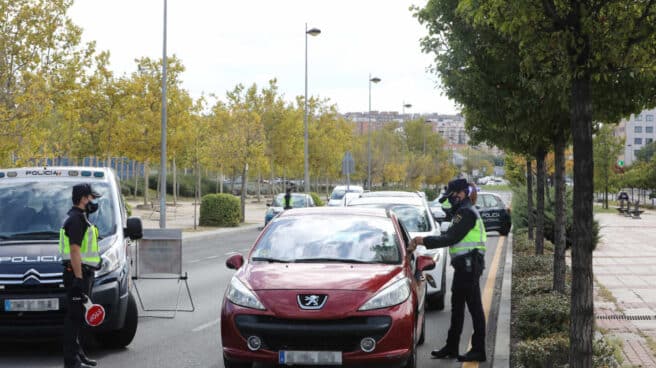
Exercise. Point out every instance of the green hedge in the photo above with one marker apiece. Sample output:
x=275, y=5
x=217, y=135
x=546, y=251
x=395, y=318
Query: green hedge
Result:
x=520, y=214
x=542, y=315
x=220, y=210
x=549, y=351
x=553, y=351
x=317, y=199
x=532, y=265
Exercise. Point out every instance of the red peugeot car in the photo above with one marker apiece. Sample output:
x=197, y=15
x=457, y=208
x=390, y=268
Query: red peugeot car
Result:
x=326, y=286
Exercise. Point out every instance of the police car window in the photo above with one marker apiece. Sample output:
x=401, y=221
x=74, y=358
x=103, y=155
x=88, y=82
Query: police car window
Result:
x=37, y=210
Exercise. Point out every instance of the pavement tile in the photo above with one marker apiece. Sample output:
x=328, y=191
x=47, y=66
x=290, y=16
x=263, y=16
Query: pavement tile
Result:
x=625, y=263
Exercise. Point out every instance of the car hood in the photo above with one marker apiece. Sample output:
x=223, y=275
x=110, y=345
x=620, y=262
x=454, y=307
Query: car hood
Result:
x=318, y=276
x=20, y=257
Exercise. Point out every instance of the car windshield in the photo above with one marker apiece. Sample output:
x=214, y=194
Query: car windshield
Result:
x=339, y=193
x=298, y=200
x=37, y=210
x=320, y=238
x=414, y=218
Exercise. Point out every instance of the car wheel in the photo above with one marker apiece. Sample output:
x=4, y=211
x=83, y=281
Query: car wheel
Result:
x=505, y=230
x=232, y=364
x=422, y=337
x=412, y=360
x=123, y=337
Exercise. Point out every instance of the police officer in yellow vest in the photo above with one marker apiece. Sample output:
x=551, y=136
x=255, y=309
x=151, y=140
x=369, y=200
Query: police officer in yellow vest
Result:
x=78, y=247
x=466, y=241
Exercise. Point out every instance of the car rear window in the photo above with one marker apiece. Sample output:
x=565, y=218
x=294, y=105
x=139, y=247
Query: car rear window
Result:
x=325, y=238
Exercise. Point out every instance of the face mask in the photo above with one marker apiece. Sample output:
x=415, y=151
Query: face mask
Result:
x=454, y=201
x=91, y=207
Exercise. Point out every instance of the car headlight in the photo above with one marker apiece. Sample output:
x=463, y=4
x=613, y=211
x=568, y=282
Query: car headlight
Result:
x=241, y=295
x=111, y=260
x=392, y=295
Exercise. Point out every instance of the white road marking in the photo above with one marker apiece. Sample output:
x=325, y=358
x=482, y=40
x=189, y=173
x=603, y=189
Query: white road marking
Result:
x=207, y=325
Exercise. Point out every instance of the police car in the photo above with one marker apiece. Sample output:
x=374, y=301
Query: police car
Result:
x=33, y=207
x=494, y=212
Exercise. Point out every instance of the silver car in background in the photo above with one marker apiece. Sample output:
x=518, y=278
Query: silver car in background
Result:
x=414, y=214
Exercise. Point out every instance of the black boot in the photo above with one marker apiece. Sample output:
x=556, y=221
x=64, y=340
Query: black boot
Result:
x=472, y=356
x=86, y=360
x=446, y=352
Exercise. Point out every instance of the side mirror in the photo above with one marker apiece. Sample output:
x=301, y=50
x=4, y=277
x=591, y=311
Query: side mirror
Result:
x=235, y=261
x=445, y=226
x=425, y=263
x=134, y=229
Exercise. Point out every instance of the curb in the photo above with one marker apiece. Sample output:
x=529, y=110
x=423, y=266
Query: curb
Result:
x=227, y=230
x=502, y=339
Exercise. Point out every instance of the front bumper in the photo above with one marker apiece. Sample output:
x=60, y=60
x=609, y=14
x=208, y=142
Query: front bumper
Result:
x=111, y=291
x=392, y=328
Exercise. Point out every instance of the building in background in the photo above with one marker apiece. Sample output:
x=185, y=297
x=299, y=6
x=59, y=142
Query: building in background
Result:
x=637, y=131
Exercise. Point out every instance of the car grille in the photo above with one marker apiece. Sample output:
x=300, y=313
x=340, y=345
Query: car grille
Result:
x=43, y=290
x=320, y=335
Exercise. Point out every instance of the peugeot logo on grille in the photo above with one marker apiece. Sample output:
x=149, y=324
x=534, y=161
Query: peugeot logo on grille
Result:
x=311, y=301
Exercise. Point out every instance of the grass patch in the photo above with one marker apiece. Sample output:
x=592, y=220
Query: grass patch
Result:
x=495, y=188
x=650, y=342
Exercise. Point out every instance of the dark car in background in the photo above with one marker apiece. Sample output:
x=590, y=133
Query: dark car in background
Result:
x=494, y=212
x=299, y=200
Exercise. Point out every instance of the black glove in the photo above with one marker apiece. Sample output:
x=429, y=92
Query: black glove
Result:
x=77, y=288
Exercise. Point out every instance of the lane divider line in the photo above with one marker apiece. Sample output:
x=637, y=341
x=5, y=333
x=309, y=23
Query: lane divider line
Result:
x=207, y=325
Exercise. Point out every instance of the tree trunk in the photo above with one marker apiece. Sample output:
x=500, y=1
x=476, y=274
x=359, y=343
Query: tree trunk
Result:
x=146, y=174
x=198, y=190
x=539, y=221
x=581, y=313
x=175, y=183
x=243, y=192
x=529, y=197
x=136, y=178
x=560, y=216
x=259, y=185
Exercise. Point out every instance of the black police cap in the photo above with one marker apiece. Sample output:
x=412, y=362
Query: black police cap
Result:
x=83, y=190
x=454, y=186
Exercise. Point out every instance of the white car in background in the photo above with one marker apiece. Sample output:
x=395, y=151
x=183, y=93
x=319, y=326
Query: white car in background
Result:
x=413, y=212
x=337, y=197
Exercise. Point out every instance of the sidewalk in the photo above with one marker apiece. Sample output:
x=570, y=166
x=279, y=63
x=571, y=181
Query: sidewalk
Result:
x=181, y=216
x=625, y=284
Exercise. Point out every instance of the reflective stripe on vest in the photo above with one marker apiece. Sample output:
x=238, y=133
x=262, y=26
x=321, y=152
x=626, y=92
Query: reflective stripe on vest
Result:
x=89, y=251
x=475, y=239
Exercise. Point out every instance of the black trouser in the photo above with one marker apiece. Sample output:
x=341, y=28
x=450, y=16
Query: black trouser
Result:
x=74, y=315
x=466, y=290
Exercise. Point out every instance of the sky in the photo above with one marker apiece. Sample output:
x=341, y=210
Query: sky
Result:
x=226, y=42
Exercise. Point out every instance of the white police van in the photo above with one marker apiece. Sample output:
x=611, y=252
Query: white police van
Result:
x=33, y=206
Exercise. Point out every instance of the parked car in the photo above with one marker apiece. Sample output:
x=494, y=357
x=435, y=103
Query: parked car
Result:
x=440, y=214
x=413, y=212
x=336, y=198
x=495, y=213
x=299, y=200
x=33, y=206
x=326, y=286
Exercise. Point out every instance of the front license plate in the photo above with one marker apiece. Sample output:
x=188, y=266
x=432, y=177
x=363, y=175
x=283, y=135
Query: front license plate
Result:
x=31, y=305
x=310, y=357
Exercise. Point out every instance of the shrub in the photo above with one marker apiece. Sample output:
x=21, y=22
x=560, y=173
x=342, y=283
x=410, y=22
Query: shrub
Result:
x=431, y=194
x=317, y=199
x=549, y=351
x=520, y=214
x=220, y=210
x=532, y=265
x=542, y=315
x=553, y=351
x=531, y=285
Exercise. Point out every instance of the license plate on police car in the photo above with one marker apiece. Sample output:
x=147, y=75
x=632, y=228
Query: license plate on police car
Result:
x=310, y=357
x=31, y=305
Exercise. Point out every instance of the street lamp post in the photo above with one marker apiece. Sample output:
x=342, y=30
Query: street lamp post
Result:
x=375, y=80
x=162, y=200
x=306, y=179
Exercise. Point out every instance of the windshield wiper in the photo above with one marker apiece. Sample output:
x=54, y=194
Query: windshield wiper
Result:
x=27, y=235
x=338, y=260
x=267, y=259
